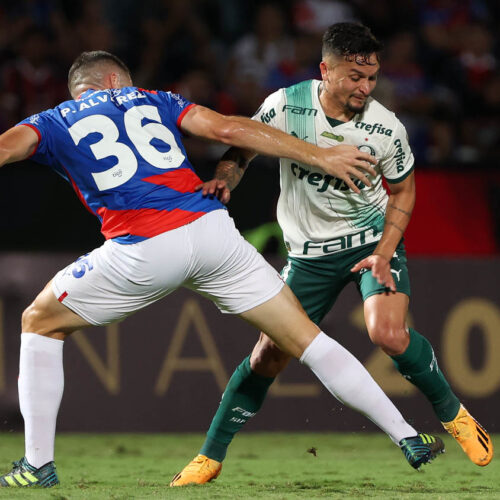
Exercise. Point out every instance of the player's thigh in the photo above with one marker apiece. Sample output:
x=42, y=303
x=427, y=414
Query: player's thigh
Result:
x=226, y=268
x=316, y=283
x=115, y=280
x=229, y=271
x=284, y=321
x=386, y=312
x=369, y=286
x=385, y=317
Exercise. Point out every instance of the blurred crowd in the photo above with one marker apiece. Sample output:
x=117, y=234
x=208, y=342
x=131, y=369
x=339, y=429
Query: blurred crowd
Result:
x=440, y=66
x=440, y=70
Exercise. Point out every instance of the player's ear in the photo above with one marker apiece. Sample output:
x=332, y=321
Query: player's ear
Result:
x=115, y=80
x=323, y=68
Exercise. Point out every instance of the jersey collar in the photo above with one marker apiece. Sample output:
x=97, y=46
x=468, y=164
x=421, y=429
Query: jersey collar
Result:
x=85, y=94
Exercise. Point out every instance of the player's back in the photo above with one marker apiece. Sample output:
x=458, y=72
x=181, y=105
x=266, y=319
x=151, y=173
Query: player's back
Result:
x=122, y=151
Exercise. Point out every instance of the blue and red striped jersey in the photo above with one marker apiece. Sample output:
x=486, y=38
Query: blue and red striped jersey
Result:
x=121, y=149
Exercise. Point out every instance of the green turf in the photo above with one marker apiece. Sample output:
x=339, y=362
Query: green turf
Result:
x=272, y=465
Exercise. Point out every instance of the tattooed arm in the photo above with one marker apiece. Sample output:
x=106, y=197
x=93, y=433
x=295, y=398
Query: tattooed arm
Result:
x=232, y=166
x=397, y=216
x=228, y=173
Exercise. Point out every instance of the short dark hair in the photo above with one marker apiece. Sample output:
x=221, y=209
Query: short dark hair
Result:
x=86, y=60
x=352, y=41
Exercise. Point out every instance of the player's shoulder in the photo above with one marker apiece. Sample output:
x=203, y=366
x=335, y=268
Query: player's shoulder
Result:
x=162, y=93
x=301, y=87
x=47, y=115
x=376, y=111
x=286, y=98
x=378, y=121
x=270, y=108
x=176, y=102
x=304, y=87
x=301, y=92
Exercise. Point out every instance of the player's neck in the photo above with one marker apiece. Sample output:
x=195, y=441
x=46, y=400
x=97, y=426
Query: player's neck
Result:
x=81, y=89
x=332, y=109
x=86, y=89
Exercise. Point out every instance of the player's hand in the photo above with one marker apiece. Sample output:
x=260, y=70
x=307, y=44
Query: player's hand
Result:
x=380, y=268
x=346, y=162
x=217, y=188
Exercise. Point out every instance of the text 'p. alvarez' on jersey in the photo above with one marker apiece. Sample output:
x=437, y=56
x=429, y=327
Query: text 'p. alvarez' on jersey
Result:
x=121, y=150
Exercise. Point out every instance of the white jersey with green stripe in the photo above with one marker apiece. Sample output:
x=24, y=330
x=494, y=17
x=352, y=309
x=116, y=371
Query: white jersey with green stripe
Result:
x=317, y=212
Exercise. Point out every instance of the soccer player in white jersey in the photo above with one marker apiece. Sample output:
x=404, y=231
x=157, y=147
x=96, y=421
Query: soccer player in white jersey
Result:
x=335, y=235
x=121, y=149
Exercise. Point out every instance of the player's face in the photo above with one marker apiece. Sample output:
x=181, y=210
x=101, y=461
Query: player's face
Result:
x=347, y=83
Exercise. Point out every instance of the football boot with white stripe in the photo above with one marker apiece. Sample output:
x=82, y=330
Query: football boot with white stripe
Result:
x=24, y=475
x=471, y=436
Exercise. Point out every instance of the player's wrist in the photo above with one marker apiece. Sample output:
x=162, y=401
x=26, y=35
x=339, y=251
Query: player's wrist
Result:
x=384, y=255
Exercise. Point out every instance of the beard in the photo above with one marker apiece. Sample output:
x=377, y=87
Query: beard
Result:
x=355, y=109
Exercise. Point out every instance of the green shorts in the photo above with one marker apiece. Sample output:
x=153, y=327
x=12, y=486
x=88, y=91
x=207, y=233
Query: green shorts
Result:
x=317, y=282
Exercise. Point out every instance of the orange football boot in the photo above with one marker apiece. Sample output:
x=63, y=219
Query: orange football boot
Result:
x=200, y=470
x=471, y=436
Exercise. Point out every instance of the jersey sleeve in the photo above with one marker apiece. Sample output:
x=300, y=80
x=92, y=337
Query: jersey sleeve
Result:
x=398, y=162
x=271, y=111
x=42, y=124
x=177, y=105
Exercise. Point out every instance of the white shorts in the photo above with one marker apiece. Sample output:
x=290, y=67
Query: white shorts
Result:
x=208, y=256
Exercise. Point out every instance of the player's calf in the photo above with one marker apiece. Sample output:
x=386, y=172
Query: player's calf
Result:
x=267, y=359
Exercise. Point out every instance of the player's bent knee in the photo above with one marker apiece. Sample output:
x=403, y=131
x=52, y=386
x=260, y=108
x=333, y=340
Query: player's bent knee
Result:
x=393, y=341
x=31, y=319
x=41, y=320
x=46, y=316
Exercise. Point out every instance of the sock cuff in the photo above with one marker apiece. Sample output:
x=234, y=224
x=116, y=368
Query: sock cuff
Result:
x=40, y=342
x=319, y=346
x=413, y=351
x=246, y=371
x=244, y=367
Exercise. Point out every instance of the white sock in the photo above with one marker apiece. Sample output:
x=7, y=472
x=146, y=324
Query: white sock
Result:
x=348, y=380
x=41, y=384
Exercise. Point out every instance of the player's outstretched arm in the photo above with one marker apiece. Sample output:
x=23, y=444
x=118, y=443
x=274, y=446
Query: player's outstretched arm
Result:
x=17, y=144
x=397, y=217
x=344, y=162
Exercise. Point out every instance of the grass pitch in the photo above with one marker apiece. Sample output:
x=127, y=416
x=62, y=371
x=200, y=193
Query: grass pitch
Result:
x=264, y=465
